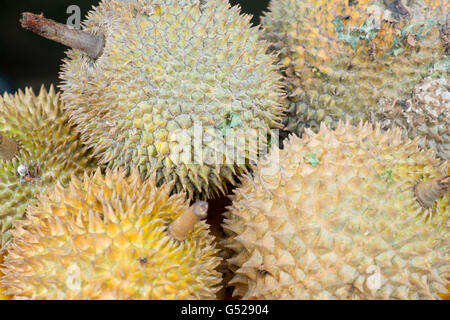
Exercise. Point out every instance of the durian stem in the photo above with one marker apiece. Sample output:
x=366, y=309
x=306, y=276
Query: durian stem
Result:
x=8, y=148
x=428, y=192
x=91, y=44
x=180, y=228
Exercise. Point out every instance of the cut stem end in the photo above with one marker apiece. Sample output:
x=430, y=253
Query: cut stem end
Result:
x=180, y=228
x=8, y=148
x=429, y=191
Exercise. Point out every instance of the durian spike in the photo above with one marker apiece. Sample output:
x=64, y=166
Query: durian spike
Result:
x=429, y=191
x=91, y=44
x=180, y=228
x=8, y=148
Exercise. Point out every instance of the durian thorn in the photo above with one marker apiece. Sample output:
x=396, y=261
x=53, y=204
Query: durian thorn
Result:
x=8, y=148
x=429, y=191
x=180, y=228
x=91, y=44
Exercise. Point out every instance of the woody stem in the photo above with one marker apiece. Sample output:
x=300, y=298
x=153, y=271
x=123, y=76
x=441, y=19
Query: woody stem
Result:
x=91, y=44
x=180, y=228
x=429, y=191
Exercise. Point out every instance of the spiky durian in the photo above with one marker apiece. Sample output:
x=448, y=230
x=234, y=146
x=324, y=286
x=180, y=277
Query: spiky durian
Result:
x=426, y=115
x=348, y=59
x=38, y=147
x=345, y=214
x=167, y=68
x=112, y=237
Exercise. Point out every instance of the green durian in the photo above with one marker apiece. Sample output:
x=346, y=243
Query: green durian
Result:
x=48, y=150
x=166, y=69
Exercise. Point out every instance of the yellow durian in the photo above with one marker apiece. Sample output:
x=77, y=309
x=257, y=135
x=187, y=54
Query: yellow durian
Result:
x=112, y=236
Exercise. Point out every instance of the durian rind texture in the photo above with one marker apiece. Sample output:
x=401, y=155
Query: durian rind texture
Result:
x=2, y=296
x=426, y=115
x=439, y=4
x=322, y=218
x=165, y=70
x=105, y=237
x=49, y=150
x=348, y=59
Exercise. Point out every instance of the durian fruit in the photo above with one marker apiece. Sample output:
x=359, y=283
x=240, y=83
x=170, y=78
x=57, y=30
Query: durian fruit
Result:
x=349, y=59
x=167, y=69
x=38, y=147
x=354, y=213
x=426, y=115
x=112, y=236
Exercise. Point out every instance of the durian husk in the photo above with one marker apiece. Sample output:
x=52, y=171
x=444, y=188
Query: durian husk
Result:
x=318, y=218
x=47, y=145
x=426, y=115
x=329, y=80
x=107, y=237
x=166, y=70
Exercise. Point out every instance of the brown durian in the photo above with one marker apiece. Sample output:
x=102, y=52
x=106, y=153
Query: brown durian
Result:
x=351, y=213
x=351, y=59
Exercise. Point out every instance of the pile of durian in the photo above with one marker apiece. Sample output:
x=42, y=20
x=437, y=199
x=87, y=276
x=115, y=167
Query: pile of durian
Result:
x=100, y=198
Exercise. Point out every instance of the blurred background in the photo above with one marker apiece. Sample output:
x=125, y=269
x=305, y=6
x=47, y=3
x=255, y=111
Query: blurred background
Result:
x=29, y=60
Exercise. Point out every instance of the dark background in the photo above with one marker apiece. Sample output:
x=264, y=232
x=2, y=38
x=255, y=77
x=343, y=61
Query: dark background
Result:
x=29, y=60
